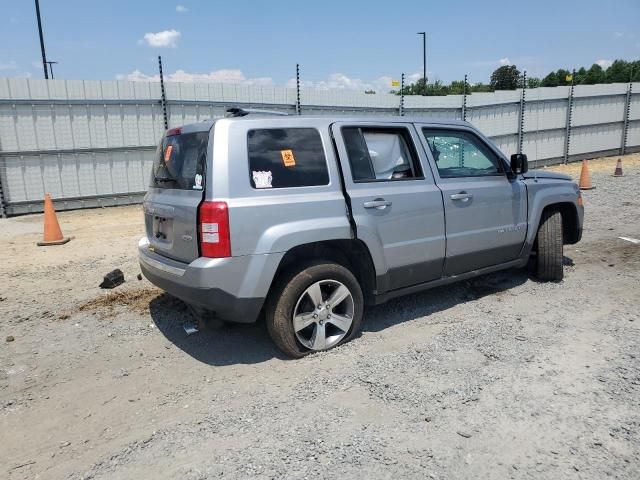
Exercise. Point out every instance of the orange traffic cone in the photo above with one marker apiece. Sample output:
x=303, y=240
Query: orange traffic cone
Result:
x=618, y=172
x=52, y=232
x=585, y=177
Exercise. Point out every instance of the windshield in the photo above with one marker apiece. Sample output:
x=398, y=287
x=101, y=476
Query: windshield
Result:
x=180, y=162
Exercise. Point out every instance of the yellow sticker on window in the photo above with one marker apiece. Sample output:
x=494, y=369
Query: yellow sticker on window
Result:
x=167, y=153
x=287, y=158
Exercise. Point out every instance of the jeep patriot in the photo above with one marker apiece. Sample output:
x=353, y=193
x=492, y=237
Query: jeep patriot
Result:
x=309, y=219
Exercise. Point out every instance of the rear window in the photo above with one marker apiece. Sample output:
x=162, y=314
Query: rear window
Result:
x=180, y=162
x=286, y=157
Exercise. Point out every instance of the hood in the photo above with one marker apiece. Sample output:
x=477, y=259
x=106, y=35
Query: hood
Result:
x=546, y=174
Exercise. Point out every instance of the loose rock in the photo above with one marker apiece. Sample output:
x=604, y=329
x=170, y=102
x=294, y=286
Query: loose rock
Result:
x=113, y=279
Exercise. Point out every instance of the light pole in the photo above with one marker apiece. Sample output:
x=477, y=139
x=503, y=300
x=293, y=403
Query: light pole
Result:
x=44, y=55
x=424, y=60
x=50, y=63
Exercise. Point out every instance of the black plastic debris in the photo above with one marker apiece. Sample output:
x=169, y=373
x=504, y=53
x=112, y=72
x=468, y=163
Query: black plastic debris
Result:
x=113, y=279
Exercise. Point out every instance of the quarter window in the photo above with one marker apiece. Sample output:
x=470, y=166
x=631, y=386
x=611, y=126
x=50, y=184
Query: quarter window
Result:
x=286, y=157
x=377, y=154
x=461, y=154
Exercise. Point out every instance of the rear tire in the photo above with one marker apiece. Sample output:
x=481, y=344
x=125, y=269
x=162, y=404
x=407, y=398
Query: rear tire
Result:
x=550, y=247
x=313, y=328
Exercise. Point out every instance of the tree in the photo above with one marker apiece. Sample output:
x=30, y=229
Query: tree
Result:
x=550, y=80
x=618, y=72
x=562, y=76
x=457, y=87
x=635, y=71
x=505, y=77
x=581, y=75
x=595, y=75
x=533, y=82
x=481, y=87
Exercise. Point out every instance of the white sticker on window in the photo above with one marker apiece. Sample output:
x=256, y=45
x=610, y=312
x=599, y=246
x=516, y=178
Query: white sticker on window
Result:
x=262, y=179
x=198, y=182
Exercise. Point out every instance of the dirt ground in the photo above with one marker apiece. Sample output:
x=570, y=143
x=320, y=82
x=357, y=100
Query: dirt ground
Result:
x=499, y=377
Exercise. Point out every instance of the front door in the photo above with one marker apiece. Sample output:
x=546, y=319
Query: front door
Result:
x=395, y=203
x=485, y=211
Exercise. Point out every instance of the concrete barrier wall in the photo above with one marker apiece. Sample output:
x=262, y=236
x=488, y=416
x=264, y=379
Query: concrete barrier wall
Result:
x=91, y=143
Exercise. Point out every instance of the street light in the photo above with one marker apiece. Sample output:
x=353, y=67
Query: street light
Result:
x=51, y=67
x=424, y=60
x=44, y=56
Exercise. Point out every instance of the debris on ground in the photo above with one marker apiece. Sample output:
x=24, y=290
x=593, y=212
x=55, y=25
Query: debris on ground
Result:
x=137, y=301
x=113, y=279
x=190, y=328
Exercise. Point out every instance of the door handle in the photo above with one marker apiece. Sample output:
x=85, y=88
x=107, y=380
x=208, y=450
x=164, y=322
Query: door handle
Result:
x=378, y=204
x=464, y=196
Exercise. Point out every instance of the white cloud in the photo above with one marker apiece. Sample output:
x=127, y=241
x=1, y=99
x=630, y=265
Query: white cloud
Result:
x=618, y=34
x=604, y=63
x=218, y=76
x=505, y=61
x=340, y=81
x=181, y=9
x=12, y=65
x=164, y=39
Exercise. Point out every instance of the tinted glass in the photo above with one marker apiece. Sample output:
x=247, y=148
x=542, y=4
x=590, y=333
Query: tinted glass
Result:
x=180, y=162
x=380, y=154
x=286, y=157
x=461, y=154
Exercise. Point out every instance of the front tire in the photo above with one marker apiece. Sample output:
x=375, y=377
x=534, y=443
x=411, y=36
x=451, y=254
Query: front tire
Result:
x=550, y=247
x=314, y=308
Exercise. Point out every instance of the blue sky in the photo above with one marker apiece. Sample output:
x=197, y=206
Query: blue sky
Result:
x=343, y=44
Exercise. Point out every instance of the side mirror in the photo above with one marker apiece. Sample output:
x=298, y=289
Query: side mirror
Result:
x=519, y=163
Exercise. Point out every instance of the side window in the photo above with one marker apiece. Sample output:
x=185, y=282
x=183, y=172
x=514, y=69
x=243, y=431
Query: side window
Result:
x=377, y=154
x=286, y=157
x=461, y=154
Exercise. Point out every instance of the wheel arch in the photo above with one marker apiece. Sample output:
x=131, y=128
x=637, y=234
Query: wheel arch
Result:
x=350, y=253
x=570, y=220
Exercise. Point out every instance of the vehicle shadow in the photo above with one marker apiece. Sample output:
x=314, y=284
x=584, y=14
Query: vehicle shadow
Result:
x=250, y=343
x=423, y=304
x=227, y=345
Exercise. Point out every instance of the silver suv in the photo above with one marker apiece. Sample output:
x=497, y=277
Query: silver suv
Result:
x=309, y=219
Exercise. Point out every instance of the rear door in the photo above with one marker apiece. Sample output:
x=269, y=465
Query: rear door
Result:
x=176, y=190
x=485, y=211
x=396, y=205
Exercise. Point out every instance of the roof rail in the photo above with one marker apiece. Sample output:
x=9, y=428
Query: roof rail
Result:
x=243, y=112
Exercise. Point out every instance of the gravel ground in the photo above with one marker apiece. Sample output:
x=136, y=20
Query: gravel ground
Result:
x=499, y=377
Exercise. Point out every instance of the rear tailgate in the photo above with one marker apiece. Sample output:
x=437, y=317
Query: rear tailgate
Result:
x=176, y=191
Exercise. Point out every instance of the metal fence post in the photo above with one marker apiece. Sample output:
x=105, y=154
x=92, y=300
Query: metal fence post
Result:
x=298, y=107
x=163, y=97
x=464, y=100
x=522, y=105
x=567, y=139
x=3, y=211
x=402, y=95
x=625, y=129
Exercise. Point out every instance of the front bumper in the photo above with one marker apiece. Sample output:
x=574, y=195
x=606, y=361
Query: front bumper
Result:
x=233, y=288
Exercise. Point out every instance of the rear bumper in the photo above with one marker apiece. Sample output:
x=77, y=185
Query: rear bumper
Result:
x=233, y=288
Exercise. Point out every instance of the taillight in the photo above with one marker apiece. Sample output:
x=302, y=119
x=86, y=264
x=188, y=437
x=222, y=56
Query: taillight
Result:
x=174, y=131
x=213, y=226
